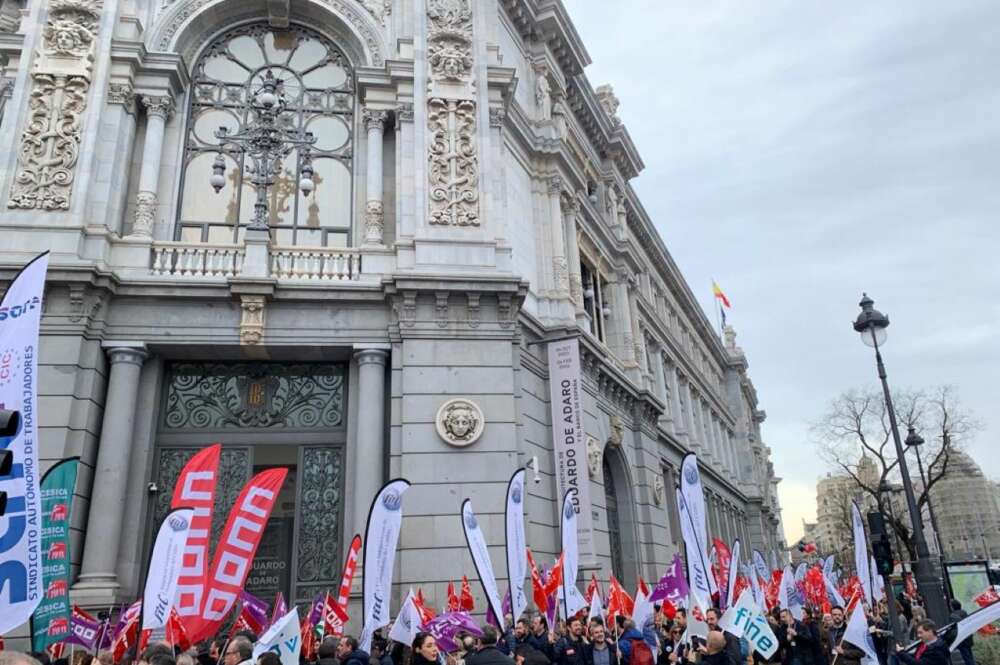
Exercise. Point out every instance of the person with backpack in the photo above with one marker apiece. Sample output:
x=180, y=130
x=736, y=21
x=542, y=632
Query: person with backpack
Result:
x=633, y=647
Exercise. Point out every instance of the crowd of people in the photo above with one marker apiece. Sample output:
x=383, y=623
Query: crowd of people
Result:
x=815, y=639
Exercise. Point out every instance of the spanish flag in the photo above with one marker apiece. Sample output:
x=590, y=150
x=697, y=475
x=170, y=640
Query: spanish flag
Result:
x=720, y=296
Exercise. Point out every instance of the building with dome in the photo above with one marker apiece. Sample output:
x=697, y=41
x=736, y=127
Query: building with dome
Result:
x=339, y=236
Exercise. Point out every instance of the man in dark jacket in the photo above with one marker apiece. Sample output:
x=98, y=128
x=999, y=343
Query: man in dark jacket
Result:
x=572, y=649
x=796, y=641
x=931, y=651
x=348, y=652
x=602, y=650
x=965, y=648
x=327, y=651
x=541, y=638
x=488, y=653
x=845, y=652
x=732, y=644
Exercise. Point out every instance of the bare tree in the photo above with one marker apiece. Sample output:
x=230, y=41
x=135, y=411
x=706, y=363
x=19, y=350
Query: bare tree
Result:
x=857, y=425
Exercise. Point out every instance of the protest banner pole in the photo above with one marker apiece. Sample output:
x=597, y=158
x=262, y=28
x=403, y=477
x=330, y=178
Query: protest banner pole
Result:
x=837, y=655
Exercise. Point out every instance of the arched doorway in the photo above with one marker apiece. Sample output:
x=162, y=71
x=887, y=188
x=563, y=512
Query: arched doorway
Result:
x=620, y=518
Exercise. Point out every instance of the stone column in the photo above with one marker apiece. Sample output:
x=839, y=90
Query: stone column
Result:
x=369, y=455
x=159, y=108
x=107, y=499
x=560, y=270
x=570, y=209
x=374, y=207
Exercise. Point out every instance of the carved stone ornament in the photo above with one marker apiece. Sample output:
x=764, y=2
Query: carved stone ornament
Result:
x=658, y=490
x=374, y=222
x=378, y=8
x=595, y=455
x=48, y=150
x=374, y=119
x=460, y=422
x=449, y=40
x=543, y=92
x=497, y=116
x=145, y=214
x=404, y=113
x=453, y=165
x=617, y=431
x=161, y=106
x=252, y=321
x=609, y=102
x=122, y=94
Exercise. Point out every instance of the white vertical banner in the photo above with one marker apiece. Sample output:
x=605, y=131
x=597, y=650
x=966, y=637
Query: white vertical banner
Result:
x=573, y=600
x=21, y=546
x=568, y=440
x=861, y=558
x=734, y=571
x=517, y=553
x=698, y=572
x=164, y=570
x=694, y=498
x=381, y=536
x=481, y=558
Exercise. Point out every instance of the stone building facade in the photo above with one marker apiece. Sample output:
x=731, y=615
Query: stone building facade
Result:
x=470, y=201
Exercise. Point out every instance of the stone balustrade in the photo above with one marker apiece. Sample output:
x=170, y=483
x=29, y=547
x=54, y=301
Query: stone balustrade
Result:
x=196, y=259
x=315, y=264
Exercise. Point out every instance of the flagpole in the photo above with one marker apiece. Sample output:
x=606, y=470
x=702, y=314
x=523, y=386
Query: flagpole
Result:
x=837, y=655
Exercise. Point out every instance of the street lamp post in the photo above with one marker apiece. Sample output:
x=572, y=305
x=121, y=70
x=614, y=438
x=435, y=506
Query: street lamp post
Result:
x=265, y=139
x=871, y=324
x=914, y=441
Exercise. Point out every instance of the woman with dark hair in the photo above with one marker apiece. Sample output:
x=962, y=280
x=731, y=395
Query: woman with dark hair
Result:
x=425, y=650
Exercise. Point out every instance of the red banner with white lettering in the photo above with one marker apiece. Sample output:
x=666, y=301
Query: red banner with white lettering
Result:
x=195, y=488
x=235, y=552
x=350, y=565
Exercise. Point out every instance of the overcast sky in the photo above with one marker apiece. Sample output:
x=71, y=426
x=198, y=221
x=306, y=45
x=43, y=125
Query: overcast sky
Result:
x=800, y=153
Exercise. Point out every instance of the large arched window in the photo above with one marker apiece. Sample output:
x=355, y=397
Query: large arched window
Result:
x=318, y=84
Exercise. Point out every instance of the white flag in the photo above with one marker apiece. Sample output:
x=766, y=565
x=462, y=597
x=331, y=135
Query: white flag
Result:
x=745, y=621
x=695, y=626
x=642, y=612
x=698, y=573
x=596, y=607
x=833, y=592
x=481, y=558
x=21, y=556
x=517, y=552
x=758, y=594
x=283, y=638
x=165, y=566
x=572, y=598
x=694, y=496
x=974, y=622
x=878, y=584
x=789, y=597
x=861, y=559
x=407, y=624
x=734, y=572
x=381, y=536
x=857, y=633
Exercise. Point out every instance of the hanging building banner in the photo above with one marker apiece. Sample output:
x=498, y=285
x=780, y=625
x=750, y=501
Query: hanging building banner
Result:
x=51, y=621
x=481, y=559
x=165, y=565
x=235, y=551
x=21, y=576
x=573, y=600
x=195, y=489
x=381, y=535
x=568, y=440
x=517, y=554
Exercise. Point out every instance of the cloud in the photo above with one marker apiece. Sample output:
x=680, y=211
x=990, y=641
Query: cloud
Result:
x=798, y=503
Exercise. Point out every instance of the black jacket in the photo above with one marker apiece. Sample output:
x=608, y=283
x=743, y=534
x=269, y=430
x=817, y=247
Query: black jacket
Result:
x=571, y=652
x=487, y=656
x=936, y=653
x=852, y=654
x=733, y=655
x=802, y=649
x=542, y=644
x=356, y=657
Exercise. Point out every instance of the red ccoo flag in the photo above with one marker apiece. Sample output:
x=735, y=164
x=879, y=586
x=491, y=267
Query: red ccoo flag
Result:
x=466, y=602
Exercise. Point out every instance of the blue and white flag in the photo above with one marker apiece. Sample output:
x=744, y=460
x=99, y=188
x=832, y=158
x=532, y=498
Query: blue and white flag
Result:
x=698, y=572
x=283, y=638
x=407, y=623
x=789, y=597
x=573, y=601
x=857, y=634
x=481, y=558
x=165, y=565
x=21, y=546
x=694, y=498
x=861, y=559
x=745, y=621
x=381, y=536
x=517, y=549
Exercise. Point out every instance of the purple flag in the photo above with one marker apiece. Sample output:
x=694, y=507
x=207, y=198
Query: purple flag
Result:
x=673, y=585
x=280, y=609
x=104, y=641
x=445, y=627
x=506, y=609
x=316, y=614
x=255, y=607
x=83, y=630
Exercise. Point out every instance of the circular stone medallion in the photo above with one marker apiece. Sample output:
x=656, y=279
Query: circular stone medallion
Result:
x=460, y=422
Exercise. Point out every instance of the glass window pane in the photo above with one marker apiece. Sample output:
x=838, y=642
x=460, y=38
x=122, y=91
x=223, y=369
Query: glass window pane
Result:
x=247, y=51
x=336, y=240
x=209, y=121
x=279, y=45
x=309, y=54
x=223, y=68
x=200, y=202
x=327, y=76
x=190, y=234
x=220, y=235
x=330, y=203
x=310, y=237
x=331, y=132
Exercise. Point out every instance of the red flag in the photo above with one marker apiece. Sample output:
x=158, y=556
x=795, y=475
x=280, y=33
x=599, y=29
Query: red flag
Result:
x=280, y=609
x=127, y=631
x=555, y=578
x=466, y=602
x=721, y=569
x=815, y=588
x=538, y=587
x=334, y=618
x=57, y=650
x=308, y=637
x=426, y=613
x=619, y=602
x=175, y=631
x=453, y=603
x=235, y=551
x=593, y=587
x=668, y=609
x=772, y=589
x=195, y=488
x=350, y=565
x=245, y=621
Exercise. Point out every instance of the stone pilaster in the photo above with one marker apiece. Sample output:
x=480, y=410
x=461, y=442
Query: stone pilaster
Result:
x=107, y=502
